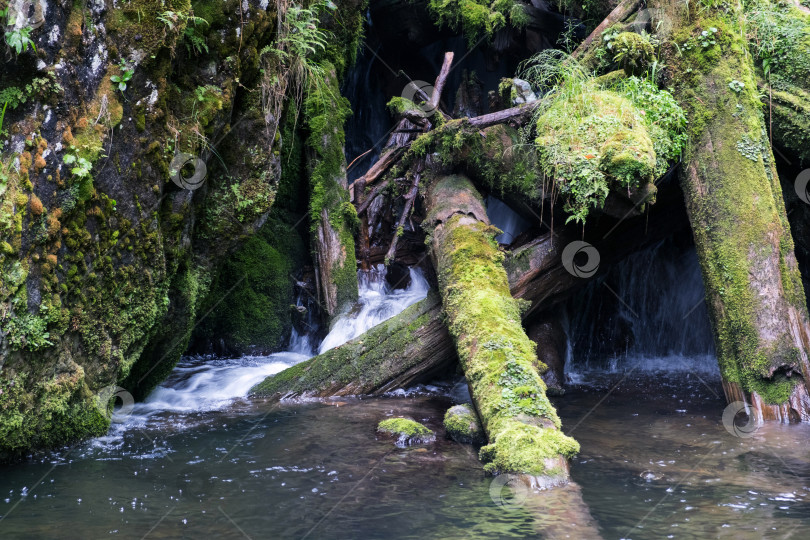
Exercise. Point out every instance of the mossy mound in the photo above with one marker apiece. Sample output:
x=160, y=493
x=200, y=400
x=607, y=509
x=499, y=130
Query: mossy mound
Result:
x=407, y=432
x=633, y=52
x=462, y=425
x=592, y=141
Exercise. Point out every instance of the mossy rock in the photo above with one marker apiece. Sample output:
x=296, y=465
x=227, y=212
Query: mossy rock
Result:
x=407, y=431
x=461, y=424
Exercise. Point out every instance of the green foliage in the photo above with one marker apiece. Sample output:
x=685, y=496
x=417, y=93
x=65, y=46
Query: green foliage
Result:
x=193, y=36
x=779, y=35
x=665, y=119
x=178, y=19
x=82, y=166
x=18, y=39
x=633, y=52
x=478, y=18
x=736, y=86
x=126, y=74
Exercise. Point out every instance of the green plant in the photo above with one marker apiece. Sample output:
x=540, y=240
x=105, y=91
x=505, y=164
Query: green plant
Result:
x=633, y=52
x=175, y=19
x=289, y=64
x=736, y=86
x=126, y=74
x=82, y=166
x=18, y=39
x=195, y=42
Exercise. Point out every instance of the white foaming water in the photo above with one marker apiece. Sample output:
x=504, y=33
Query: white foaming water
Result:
x=377, y=303
x=204, y=384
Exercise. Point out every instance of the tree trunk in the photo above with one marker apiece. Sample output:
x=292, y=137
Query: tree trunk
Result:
x=409, y=348
x=497, y=356
x=734, y=201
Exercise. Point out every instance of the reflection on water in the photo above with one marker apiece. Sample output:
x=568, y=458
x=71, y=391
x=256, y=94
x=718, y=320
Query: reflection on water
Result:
x=656, y=462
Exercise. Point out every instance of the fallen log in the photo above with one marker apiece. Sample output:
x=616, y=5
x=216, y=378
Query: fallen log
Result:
x=733, y=196
x=411, y=347
x=497, y=357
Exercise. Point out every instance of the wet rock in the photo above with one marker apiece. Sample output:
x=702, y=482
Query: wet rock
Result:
x=406, y=431
x=462, y=425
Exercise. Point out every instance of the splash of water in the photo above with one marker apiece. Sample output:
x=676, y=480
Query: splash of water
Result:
x=206, y=384
x=377, y=303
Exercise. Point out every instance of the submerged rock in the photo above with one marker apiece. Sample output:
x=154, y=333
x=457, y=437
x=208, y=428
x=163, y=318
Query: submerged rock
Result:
x=462, y=425
x=407, y=431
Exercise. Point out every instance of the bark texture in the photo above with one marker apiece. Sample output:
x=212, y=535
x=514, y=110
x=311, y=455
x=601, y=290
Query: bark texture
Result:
x=734, y=200
x=497, y=357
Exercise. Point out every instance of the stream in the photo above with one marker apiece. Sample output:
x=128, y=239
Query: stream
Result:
x=200, y=458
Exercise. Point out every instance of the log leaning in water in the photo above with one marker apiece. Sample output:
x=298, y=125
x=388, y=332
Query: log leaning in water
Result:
x=497, y=357
x=406, y=349
x=734, y=200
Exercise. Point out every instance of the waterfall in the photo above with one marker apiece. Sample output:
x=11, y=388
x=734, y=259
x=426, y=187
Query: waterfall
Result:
x=648, y=311
x=377, y=302
x=506, y=219
x=204, y=383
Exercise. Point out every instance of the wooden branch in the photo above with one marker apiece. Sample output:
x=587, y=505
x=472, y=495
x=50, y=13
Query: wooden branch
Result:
x=620, y=12
x=441, y=80
x=409, y=199
x=376, y=170
x=362, y=207
x=519, y=113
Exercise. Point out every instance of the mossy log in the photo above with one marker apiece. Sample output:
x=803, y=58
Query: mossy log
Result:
x=734, y=201
x=411, y=347
x=498, y=358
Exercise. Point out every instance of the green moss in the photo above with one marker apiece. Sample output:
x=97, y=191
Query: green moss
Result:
x=462, y=425
x=258, y=283
x=582, y=140
x=406, y=431
x=363, y=365
x=735, y=205
x=326, y=111
x=497, y=356
x=478, y=18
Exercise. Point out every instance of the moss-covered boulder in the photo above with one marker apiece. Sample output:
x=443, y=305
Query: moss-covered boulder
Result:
x=461, y=424
x=407, y=432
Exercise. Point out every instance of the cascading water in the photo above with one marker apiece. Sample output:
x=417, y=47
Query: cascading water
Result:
x=205, y=383
x=506, y=219
x=647, y=312
x=377, y=303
